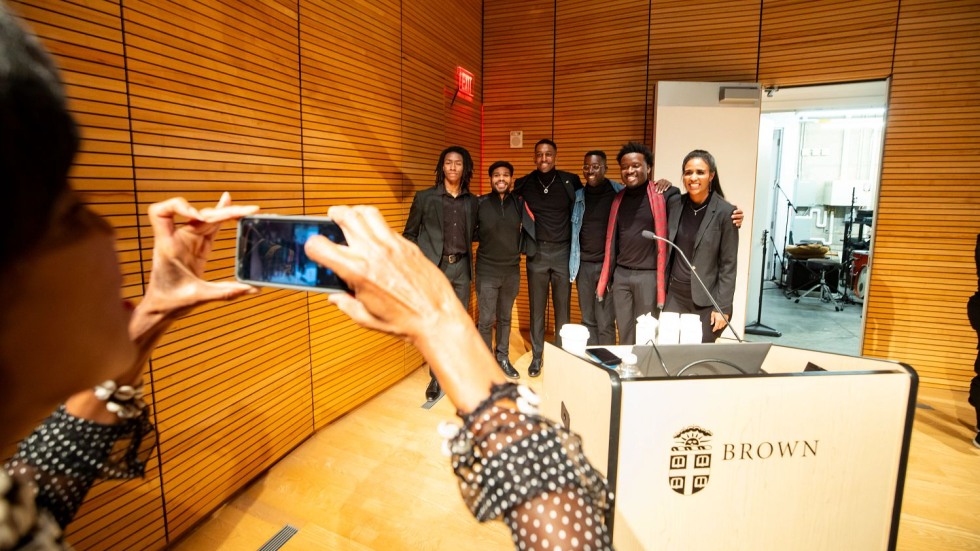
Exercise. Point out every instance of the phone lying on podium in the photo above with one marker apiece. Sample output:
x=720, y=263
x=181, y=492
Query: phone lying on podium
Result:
x=270, y=253
x=604, y=356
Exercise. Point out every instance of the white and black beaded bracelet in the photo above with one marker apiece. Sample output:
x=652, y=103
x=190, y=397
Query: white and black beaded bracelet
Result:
x=124, y=400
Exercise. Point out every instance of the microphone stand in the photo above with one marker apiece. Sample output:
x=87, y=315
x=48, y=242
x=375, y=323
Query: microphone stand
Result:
x=786, y=284
x=757, y=327
x=650, y=235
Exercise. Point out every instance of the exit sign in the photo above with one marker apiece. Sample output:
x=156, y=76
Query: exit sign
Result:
x=464, y=83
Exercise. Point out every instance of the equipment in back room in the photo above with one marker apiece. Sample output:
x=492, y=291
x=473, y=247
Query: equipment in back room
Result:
x=826, y=270
x=859, y=273
x=800, y=278
x=855, y=253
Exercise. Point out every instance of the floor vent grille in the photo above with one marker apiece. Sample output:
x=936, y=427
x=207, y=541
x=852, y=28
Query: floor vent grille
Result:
x=279, y=539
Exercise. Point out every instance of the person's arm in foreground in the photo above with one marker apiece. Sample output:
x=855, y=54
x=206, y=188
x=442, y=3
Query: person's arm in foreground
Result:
x=548, y=490
x=84, y=440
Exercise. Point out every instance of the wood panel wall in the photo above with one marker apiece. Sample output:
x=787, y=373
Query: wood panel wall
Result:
x=826, y=41
x=923, y=267
x=518, y=68
x=294, y=106
x=928, y=213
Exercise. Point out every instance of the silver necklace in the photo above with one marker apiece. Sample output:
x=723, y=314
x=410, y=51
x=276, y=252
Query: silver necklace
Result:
x=696, y=211
x=545, y=187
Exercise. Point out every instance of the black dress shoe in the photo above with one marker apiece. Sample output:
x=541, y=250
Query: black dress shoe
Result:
x=432, y=391
x=509, y=370
x=535, y=368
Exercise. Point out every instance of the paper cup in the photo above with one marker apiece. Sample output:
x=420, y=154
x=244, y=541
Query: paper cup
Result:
x=574, y=337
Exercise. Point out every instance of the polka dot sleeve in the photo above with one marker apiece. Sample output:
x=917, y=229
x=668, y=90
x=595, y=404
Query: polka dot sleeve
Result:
x=531, y=472
x=64, y=456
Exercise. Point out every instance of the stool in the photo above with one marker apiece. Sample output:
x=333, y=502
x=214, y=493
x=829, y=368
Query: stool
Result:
x=822, y=266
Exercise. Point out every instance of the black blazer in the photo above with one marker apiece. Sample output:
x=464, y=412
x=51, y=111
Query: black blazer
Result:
x=715, y=252
x=424, y=224
x=570, y=183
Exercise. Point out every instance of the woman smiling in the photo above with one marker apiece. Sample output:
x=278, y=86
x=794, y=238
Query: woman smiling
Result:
x=704, y=232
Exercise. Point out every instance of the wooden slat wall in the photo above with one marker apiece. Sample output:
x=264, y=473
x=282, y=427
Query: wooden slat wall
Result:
x=933, y=118
x=826, y=41
x=929, y=208
x=292, y=105
x=600, y=86
x=518, y=92
x=352, y=152
x=214, y=93
x=686, y=45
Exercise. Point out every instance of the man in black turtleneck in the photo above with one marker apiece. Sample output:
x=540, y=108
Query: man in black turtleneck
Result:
x=549, y=194
x=633, y=268
x=498, y=261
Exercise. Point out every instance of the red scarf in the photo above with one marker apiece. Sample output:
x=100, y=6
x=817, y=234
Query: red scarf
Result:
x=658, y=206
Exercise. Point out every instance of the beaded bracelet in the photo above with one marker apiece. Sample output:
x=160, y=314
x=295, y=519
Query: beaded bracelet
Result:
x=527, y=403
x=125, y=401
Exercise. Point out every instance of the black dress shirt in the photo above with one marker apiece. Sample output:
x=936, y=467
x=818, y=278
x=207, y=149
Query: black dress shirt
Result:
x=454, y=238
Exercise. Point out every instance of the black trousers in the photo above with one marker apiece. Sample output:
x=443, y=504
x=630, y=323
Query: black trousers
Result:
x=458, y=274
x=599, y=317
x=634, y=293
x=974, y=397
x=679, y=300
x=495, y=296
x=973, y=314
x=548, y=268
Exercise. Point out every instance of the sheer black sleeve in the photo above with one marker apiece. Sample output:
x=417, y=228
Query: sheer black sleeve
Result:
x=65, y=455
x=531, y=472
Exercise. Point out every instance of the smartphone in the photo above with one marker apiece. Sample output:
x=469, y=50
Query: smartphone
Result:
x=269, y=253
x=604, y=356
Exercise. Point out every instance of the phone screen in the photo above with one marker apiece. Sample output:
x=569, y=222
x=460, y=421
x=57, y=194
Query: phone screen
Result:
x=604, y=356
x=270, y=253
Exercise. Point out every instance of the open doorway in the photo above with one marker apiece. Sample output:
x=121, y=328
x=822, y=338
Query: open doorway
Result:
x=817, y=184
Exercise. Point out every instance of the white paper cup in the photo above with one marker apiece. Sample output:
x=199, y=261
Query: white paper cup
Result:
x=574, y=337
x=646, y=330
x=690, y=329
x=670, y=328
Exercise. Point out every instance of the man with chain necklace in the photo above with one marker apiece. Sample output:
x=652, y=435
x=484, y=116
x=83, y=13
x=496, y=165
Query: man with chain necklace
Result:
x=548, y=194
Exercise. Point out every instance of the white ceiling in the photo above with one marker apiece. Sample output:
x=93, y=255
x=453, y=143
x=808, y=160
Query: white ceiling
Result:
x=857, y=95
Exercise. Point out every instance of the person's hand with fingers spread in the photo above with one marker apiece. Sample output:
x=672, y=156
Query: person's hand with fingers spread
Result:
x=180, y=253
x=398, y=291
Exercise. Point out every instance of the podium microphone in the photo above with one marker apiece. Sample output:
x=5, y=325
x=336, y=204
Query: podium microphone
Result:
x=654, y=237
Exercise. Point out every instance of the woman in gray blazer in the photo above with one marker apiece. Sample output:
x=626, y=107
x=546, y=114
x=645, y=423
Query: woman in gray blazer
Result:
x=701, y=227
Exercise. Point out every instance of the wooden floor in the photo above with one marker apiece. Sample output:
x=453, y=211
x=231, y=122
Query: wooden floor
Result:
x=376, y=480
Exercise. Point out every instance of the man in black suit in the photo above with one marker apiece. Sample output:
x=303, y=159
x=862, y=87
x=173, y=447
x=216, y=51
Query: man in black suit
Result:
x=441, y=222
x=548, y=194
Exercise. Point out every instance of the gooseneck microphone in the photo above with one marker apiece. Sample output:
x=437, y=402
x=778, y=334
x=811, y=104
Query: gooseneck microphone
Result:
x=654, y=237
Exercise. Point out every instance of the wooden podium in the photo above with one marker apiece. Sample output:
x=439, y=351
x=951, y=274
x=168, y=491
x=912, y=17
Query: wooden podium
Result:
x=786, y=459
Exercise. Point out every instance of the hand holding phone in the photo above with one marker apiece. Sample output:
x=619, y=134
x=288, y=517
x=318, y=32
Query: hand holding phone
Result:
x=270, y=253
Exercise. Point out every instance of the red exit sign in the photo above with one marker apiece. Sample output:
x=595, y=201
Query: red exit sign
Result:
x=464, y=83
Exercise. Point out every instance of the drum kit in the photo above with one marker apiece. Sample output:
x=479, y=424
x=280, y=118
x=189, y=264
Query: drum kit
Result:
x=859, y=273
x=856, y=254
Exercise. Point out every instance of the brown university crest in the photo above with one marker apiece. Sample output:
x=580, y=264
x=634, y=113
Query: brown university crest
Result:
x=690, y=460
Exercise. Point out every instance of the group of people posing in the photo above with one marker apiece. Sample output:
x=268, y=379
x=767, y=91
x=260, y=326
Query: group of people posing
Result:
x=596, y=235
